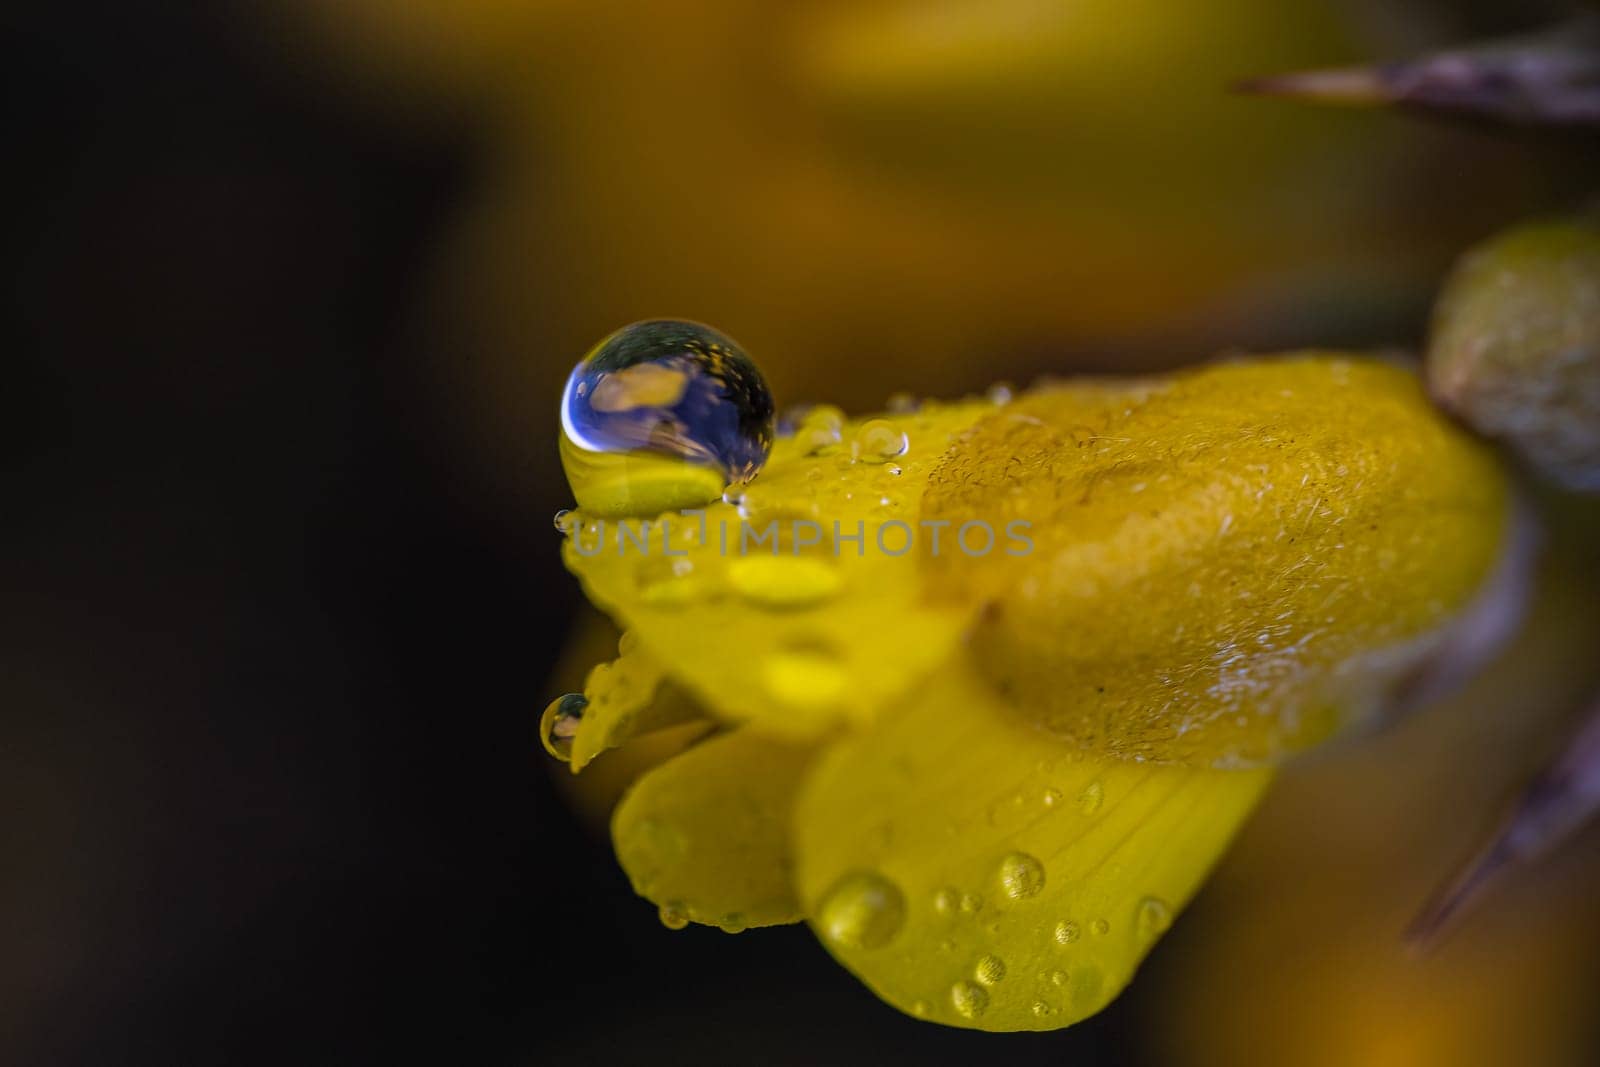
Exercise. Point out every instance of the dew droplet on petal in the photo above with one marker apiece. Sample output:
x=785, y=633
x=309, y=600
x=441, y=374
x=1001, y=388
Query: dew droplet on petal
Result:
x=863, y=910
x=878, y=441
x=969, y=999
x=1154, y=918
x=559, y=724
x=989, y=970
x=820, y=429
x=1066, y=932
x=1021, y=875
x=673, y=916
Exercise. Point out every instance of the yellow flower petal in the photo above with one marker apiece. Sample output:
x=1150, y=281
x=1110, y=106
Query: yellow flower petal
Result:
x=1228, y=563
x=705, y=836
x=976, y=872
x=794, y=630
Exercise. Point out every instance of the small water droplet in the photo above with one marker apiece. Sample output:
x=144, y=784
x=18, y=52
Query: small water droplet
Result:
x=1052, y=797
x=863, y=910
x=878, y=441
x=969, y=999
x=1100, y=927
x=820, y=429
x=1000, y=393
x=733, y=496
x=673, y=916
x=565, y=520
x=1021, y=875
x=946, y=901
x=1093, y=795
x=1066, y=932
x=1042, y=1009
x=921, y=1008
x=732, y=923
x=989, y=970
x=1059, y=978
x=1154, y=918
x=971, y=904
x=559, y=724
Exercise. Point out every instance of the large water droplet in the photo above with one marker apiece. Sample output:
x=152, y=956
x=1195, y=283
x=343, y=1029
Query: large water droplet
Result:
x=662, y=415
x=969, y=999
x=1021, y=875
x=863, y=910
x=559, y=724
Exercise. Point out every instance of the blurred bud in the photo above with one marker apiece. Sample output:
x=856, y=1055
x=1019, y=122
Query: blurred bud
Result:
x=1515, y=346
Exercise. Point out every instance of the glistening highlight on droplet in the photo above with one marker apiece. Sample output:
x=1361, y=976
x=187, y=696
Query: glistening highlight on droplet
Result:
x=663, y=415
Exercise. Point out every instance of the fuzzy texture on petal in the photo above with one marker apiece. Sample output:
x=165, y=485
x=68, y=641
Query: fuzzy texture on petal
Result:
x=1229, y=564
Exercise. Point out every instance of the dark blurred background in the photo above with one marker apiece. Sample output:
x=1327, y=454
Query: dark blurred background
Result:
x=291, y=290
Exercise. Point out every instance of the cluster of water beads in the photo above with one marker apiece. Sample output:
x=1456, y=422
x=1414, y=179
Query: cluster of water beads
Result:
x=865, y=911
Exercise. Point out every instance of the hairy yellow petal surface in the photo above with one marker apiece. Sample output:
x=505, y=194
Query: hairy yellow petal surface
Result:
x=794, y=605
x=705, y=836
x=1228, y=563
x=976, y=872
